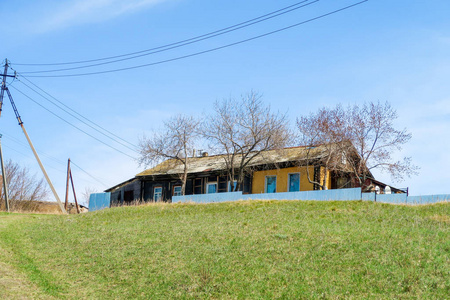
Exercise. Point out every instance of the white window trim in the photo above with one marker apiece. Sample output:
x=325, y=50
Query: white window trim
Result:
x=211, y=183
x=173, y=189
x=265, y=183
x=154, y=193
x=289, y=181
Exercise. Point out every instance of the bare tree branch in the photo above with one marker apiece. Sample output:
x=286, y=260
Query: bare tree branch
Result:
x=175, y=142
x=363, y=136
x=241, y=130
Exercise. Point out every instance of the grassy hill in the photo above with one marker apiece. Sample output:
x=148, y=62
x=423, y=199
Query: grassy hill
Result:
x=257, y=249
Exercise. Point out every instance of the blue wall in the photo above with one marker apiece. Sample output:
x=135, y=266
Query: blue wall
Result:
x=99, y=201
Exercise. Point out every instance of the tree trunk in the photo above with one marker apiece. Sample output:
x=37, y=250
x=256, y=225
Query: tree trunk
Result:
x=184, y=179
x=325, y=175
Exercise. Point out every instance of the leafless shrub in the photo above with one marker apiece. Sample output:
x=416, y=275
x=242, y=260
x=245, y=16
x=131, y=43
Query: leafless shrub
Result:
x=85, y=196
x=24, y=189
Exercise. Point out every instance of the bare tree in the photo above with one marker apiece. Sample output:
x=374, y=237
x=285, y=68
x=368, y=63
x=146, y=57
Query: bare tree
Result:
x=176, y=141
x=371, y=130
x=24, y=189
x=242, y=130
x=359, y=139
x=324, y=135
x=85, y=196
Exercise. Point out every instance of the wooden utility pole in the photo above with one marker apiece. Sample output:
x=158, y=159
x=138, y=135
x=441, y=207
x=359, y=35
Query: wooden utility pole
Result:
x=2, y=92
x=5, y=186
x=69, y=176
x=5, y=88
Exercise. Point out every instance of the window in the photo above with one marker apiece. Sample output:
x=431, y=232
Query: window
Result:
x=128, y=196
x=198, y=187
x=157, y=194
x=271, y=184
x=294, y=182
x=176, y=190
x=211, y=188
x=232, y=186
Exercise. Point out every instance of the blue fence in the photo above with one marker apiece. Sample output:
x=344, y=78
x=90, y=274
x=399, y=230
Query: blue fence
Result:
x=328, y=195
x=403, y=199
x=210, y=198
x=341, y=194
x=391, y=198
x=428, y=199
x=99, y=201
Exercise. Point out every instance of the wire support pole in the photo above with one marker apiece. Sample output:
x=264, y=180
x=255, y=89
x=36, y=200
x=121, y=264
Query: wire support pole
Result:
x=74, y=194
x=34, y=152
x=69, y=177
x=43, y=169
x=2, y=92
x=66, y=202
x=5, y=186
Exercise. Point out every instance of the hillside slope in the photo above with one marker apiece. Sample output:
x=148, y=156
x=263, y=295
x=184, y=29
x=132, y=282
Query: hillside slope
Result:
x=258, y=249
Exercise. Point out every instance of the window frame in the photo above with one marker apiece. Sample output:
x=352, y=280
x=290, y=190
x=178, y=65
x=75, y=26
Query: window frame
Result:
x=211, y=183
x=173, y=190
x=154, y=193
x=289, y=181
x=265, y=183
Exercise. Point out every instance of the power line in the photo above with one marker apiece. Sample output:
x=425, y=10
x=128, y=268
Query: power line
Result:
x=88, y=174
x=52, y=158
x=76, y=127
x=24, y=145
x=196, y=38
x=72, y=110
x=56, y=169
x=75, y=115
x=166, y=49
x=204, y=51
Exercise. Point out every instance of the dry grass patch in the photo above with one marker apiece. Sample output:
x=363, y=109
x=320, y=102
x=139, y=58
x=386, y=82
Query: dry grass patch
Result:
x=441, y=218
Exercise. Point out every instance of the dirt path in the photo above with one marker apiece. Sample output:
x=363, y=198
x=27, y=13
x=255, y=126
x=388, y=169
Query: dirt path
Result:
x=13, y=283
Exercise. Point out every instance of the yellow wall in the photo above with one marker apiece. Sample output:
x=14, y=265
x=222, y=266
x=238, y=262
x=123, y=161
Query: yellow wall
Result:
x=259, y=179
x=322, y=175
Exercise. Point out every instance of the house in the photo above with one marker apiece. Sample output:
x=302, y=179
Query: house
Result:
x=272, y=171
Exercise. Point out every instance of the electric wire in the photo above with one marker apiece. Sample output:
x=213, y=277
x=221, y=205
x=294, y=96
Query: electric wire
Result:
x=84, y=171
x=204, y=51
x=43, y=154
x=25, y=145
x=48, y=166
x=87, y=124
x=165, y=49
x=76, y=127
x=114, y=137
x=291, y=7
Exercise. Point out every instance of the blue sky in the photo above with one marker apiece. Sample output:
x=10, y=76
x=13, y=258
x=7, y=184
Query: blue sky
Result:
x=396, y=51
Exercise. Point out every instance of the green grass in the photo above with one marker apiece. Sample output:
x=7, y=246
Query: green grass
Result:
x=258, y=249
